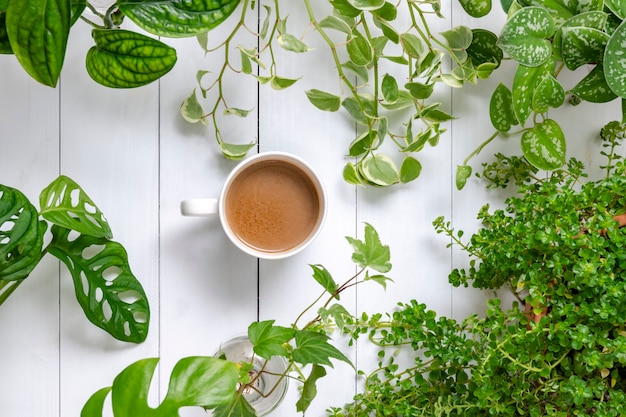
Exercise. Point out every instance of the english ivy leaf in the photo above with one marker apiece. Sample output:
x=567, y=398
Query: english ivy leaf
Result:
x=21, y=235
x=615, y=61
x=410, y=169
x=463, y=172
x=313, y=348
x=380, y=170
x=38, y=31
x=594, y=88
x=525, y=83
x=280, y=83
x=501, y=110
x=64, y=203
x=178, y=18
x=323, y=100
x=267, y=339
x=367, y=4
x=291, y=43
x=544, y=145
x=370, y=252
x=191, y=110
x=525, y=36
x=309, y=389
x=325, y=279
x=476, y=8
x=378, y=278
x=337, y=313
x=484, y=48
x=125, y=59
x=235, y=151
x=549, y=93
x=581, y=46
x=359, y=49
x=106, y=289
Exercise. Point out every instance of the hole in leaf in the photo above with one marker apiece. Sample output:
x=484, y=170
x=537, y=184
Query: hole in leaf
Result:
x=91, y=219
x=4, y=240
x=75, y=197
x=106, y=310
x=72, y=235
x=7, y=226
x=129, y=296
x=91, y=251
x=127, y=328
x=1, y=194
x=99, y=294
x=89, y=208
x=140, y=317
x=59, y=196
x=111, y=273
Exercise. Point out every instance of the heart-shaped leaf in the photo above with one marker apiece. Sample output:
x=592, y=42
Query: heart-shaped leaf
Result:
x=38, y=31
x=580, y=46
x=290, y=43
x=594, y=88
x=593, y=20
x=484, y=48
x=110, y=295
x=178, y=18
x=476, y=8
x=463, y=172
x=615, y=61
x=525, y=36
x=379, y=170
x=65, y=204
x=125, y=59
x=544, y=145
x=459, y=38
x=549, y=93
x=410, y=169
x=21, y=235
x=501, y=110
x=195, y=381
x=525, y=83
x=344, y=8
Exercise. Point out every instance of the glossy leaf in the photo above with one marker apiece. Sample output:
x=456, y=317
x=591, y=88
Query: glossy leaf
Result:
x=5, y=44
x=38, y=31
x=617, y=6
x=64, y=203
x=615, y=61
x=501, y=110
x=594, y=88
x=367, y=4
x=370, y=252
x=360, y=50
x=344, y=8
x=549, y=93
x=476, y=8
x=582, y=46
x=309, y=388
x=292, y=44
x=125, y=59
x=525, y=83
x=379, y=170
x=110, y=295
x=235, y=151
x=484, y=48
x=21, y=235
x=525, y=36
x=191, y=110
x=463, y=172
x=323, y=100
x=267, y=339
x=194, y=381
x=313, y=348
x=544, y=145
x=178, y=18
x=410, y=169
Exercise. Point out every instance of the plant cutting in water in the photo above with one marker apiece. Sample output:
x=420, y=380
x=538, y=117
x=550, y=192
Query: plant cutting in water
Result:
x=106, y=289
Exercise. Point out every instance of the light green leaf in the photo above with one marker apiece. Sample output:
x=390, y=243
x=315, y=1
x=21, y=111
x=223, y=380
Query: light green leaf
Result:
x=549, y=93
x=378, y=278
x=360, y=50
x=581, y=46
x=388, y=31
x=380, y=170
x=234, y=151
x=463, y=172
x=359, y=71
x=333, y=22
x=125, y=59
x=106, y=289
x=363, y=143
x=178, y=18
x=525, y=36
x=246, y=64
x=388, y=12
x=292, y=44
x=370, y=252
x=367, y=4
x=544, y=145
x=233, y=111
x=325, y=279
x=476, y=8
x=239, y=407
x=191, y=110
x=459, y=39
x=360, y=114
x=344, y=8
x=351, y=175
x=280, y=83
x=420, y=91
x=410, y=169
x=38, y=31
x=313, y=348
x=413, y=45
x=267, y=339
x=64, y=203
x=594, y=88
x=617, y=6
x=501, y=110
x=615, y=61
x=252, y=54
x=323, y=100
x=337, y=313
x=309, y=389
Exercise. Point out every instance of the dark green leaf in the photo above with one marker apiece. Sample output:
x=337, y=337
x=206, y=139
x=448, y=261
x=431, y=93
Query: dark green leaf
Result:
x=544, y=145
x=388, y=12
x=323, y=100
x=581, y=46
x=389, y=88
x=239, y=407
x=410, y=169
x=476, y=8
x=388, y=31
x=313, y=348
x=594, y=88
x=65, y=204
x=363, y=143
x=501, y=110
x=309, y=389
x=549, y=93
x=367, y=4
x=5, y=44
x=267, y=339
x=325, y=279
x=370, y=252
x=110, y=295
x=125, y=59
x=615, y=61
x=525, y=36
x=178, y=18
x=344, y=8
x=484, y=48
x=21, y=235
x=38, y=31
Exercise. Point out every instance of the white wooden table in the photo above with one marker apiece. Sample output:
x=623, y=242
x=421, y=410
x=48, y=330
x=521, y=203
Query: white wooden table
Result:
x=137, y=159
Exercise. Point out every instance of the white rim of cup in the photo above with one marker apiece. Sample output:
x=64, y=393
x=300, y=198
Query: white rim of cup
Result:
x=274, y=155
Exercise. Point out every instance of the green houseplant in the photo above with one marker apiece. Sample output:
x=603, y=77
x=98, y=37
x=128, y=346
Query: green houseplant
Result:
x=558, y=349
x=105, y=287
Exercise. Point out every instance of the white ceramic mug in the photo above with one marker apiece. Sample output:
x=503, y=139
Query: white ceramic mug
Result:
x=271, y=206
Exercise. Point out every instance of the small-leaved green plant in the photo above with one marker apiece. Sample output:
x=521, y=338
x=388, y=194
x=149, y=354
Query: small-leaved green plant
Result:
x=106, y=289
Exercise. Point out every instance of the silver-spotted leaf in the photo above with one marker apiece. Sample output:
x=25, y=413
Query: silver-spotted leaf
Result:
x=615, y=61
x=594, y=88
x=501, y=110
x=581, y=45
x=476, y=8
x=544, y=145
x=126, y=59
x=484, y=48
x=525, y=36
x=593, y=19
x=549, y=93
x=525, y=83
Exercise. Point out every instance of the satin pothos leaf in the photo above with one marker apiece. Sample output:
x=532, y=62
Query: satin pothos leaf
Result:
x=178, y=18
x=125, y=59
x=544, y=145
x=615, y=61
x=525, y=36
x=105, y=287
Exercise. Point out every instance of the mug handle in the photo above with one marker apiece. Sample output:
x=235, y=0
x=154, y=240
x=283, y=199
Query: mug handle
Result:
x=199, y=207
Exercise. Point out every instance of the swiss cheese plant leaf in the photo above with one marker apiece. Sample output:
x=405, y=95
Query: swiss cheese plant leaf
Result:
x=178, y=18
x=549, y=93
x=544, y=145
x=65, y=204
x=21, y=235
x=594, y=88
x=125, y=59
x=501, y=110
x=525, y=36
x=195, y=381
x=581, y=45
x=476, y=8
x=267, y=339
x=105, y=287
x=38, y=31
x=615, y=61
x=484, y=48
x=525, y=83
